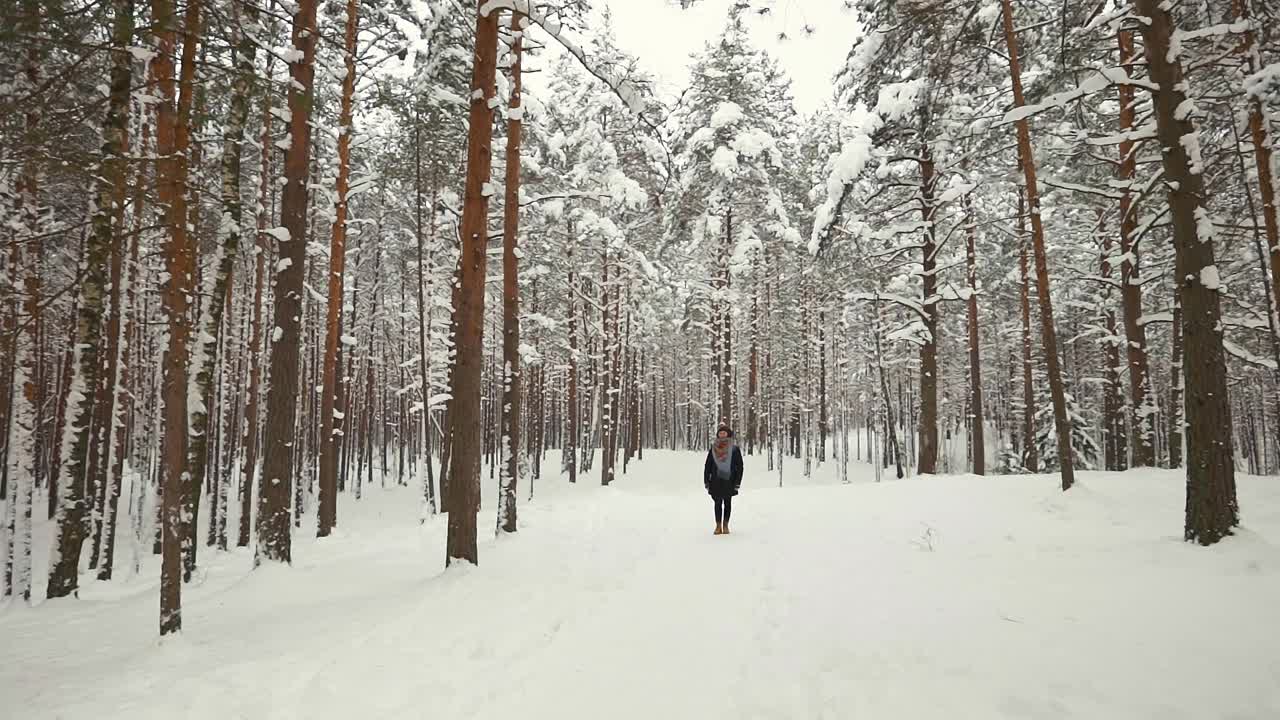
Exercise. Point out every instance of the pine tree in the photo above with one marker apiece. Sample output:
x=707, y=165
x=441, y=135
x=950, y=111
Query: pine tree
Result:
x=274, y=538
x=1212, y=509
x=464, y=473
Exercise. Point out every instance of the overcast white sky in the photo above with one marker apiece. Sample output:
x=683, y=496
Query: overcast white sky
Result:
x=662, y=36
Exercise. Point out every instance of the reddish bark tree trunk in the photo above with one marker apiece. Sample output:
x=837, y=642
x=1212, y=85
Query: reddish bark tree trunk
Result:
x=330, y=436
x=1061, y=421
x=172, y=140
x=461, y=544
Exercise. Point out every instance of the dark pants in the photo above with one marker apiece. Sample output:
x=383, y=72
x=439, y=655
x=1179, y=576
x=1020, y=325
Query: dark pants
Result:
x=724, y=506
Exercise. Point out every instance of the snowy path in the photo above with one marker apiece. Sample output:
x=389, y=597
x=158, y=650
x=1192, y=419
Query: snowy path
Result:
x=951, y=597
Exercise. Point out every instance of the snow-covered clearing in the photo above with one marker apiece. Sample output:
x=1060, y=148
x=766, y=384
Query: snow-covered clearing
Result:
x=943, y=597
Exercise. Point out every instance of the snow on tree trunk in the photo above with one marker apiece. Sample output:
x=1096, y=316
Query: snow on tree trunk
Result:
x=978, y=434
x=1177, y=405
x=216, y=282
x=172, y=140
x=424, y=312
x=21, y=445
x=331, y=436
x=1115, y=453
x=573, y=432
x=511, y=388
x=723, y=323
x=928, y=427
x=886, y=404
x=1031, y=454
x=463, y=502
x=1212, y=510
x=87, y=361
x=1141, y=403
x=753, y=369
x=446, y=451
x=110, y=415
x=252, y=436
x=279, y=435
x=822, y=382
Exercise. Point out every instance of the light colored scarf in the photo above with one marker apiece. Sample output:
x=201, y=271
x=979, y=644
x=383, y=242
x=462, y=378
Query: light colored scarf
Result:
x=722, y=451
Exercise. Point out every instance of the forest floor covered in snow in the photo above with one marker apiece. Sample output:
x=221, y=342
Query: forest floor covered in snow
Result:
x=934, y=597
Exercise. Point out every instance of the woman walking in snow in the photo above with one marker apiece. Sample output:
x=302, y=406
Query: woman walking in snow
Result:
x=722, y=476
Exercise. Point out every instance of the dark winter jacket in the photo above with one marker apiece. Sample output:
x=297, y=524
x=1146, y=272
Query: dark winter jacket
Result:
x=718, y=486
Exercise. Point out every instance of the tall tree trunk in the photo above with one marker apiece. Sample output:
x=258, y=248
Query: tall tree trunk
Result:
x=172, y=140
x=219, y=277
x=9, y=313
x=70, y=516
x=106, y=405
x=616, y=350
x=252, y=437
x=21, y=447
x=978, y=432
x=446, y=449
x=1177, y=405
x=124, y=402
x=885, y=400
x=424, y=313
x=1061, y=421
x=928, y=428
x=511, y=399
x=1115, y=451
x=65, y=378
x=570, y=452
x=822, y=383
x=466, y=419
x=107, y=412
x=1141, y=404
x=274, y=538
x=725, y=360
x=22, y=459
x=331, y=436
x=604, y=378
x=1030, y=451
x=1211, y=509
x=753, y=372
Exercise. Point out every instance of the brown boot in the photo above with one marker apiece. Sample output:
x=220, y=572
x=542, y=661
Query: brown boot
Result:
x=724, y=529
x=719, y=529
